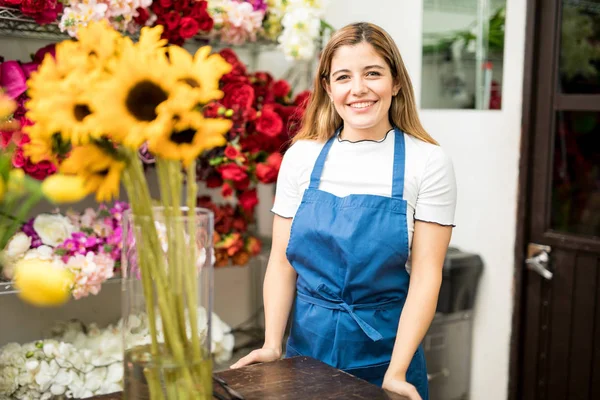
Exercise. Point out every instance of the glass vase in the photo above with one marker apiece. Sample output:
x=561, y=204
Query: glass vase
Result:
x=167, y=268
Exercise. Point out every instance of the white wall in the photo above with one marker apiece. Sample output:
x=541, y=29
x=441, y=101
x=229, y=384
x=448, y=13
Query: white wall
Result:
x=484, y=146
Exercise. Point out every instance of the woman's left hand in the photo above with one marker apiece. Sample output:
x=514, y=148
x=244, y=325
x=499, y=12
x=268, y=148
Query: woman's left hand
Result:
x=401, y=387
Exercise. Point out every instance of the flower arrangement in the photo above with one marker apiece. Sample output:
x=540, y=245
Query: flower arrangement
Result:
x=13, y=79
x=264, y=118
x=113, y=95
x=87, y=245
x=42, y=11
x=295, y=25
x=84, y=361
x=121, y=14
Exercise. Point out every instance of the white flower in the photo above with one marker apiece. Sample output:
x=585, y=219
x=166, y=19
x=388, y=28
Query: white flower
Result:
x=53, y=229
x=43, y=253
x=18, y=245
x=12, y=355
x=8, y=380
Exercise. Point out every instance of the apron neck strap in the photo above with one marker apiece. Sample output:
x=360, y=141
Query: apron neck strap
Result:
x=399, y=161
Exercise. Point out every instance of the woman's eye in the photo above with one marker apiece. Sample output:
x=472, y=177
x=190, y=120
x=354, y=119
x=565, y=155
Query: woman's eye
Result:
x=339, y=78
x=373, y=73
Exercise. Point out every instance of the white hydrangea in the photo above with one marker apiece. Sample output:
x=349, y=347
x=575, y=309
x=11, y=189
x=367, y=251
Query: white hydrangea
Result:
x=301, y=27
x=87, y=361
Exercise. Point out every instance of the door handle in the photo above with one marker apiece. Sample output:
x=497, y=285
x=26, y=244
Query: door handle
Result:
x=538, y=260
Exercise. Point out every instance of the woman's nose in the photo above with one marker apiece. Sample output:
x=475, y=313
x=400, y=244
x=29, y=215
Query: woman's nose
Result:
x=358, y=87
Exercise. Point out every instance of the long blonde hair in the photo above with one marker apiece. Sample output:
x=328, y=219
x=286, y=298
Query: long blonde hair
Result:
x=321, y=120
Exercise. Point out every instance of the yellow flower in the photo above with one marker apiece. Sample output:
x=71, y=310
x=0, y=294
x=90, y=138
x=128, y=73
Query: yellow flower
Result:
x=201, y=72
x=150, y=43
x=42, y=282
x=7, y=106
x=100, y=170
x=191, y=135
x=126, y=106
x=44, y=145
x=64, y=188
x=16, y=182
x=99, y=41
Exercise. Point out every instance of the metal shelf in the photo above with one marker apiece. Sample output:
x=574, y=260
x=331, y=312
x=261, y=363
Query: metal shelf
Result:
x=14, y=24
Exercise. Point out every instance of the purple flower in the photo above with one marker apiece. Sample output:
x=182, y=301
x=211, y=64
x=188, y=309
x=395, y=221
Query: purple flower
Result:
x=27, y=229
x=258, y=5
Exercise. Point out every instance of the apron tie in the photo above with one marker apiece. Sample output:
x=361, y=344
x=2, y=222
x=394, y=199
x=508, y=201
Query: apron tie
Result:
x=332, y=301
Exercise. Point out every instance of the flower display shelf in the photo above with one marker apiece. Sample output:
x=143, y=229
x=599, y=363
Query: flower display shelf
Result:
x=14, y=24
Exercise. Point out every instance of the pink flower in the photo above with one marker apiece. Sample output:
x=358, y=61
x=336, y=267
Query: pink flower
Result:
x=90, y=272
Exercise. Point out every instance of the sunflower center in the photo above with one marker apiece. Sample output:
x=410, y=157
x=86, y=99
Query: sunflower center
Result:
x=143, y=99
x=81, y=111
x=191, y=81
x=102, y=172
x=185, y=136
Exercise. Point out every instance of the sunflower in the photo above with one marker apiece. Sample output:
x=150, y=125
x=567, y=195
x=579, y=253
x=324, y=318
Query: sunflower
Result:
x=201, y=72
x=150, y=42
x=45, y=145
x=99, y=42
x=100, y=169
x=191, y=135
x=126, y=104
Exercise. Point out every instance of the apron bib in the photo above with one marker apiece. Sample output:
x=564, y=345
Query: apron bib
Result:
x=350, y=255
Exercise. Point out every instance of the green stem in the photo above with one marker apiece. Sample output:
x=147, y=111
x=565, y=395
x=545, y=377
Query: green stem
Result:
x=192, y=283
x=146, y=279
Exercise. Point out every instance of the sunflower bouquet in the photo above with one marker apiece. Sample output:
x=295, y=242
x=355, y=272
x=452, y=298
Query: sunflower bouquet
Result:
x=92, y=106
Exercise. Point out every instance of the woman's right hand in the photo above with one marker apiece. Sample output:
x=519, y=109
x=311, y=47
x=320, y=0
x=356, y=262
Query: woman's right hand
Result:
x=266, y=354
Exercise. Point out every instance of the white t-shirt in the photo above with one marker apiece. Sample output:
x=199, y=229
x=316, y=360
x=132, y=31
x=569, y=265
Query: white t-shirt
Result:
x=366, y=167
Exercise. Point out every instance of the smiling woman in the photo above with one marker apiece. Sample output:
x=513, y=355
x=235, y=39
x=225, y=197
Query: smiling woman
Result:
x=362, y=188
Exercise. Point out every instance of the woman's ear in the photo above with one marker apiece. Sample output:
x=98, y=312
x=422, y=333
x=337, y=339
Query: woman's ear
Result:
x=396, y=89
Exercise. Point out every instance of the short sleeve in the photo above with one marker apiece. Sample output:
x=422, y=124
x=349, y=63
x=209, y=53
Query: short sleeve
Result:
x=436, y=200
x=287, y=193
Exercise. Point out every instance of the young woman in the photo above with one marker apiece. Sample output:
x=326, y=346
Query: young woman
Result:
x=362, y=187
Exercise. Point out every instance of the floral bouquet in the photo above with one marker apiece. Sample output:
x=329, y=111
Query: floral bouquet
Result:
x=87, y=245
x=81, y=361
x=104, y=96
x=42, y=11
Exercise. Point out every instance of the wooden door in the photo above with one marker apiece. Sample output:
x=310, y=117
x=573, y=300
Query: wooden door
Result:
x=555, y=350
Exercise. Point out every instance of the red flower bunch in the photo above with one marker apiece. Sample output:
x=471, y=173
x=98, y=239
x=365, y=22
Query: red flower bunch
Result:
x=231, y=240
x=264, y=120
x=13, y=77
x=42, y=11
x=181, y=19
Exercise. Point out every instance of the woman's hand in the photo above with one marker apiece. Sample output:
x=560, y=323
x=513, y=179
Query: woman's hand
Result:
x=401, y=387
x=266, y=354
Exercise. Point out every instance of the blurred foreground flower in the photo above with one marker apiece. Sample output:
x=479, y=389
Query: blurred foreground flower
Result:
x=42, y=283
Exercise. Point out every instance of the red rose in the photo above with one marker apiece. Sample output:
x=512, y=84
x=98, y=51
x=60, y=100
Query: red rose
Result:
x=239, y=224
x=266, y=173
x=232, y=153
x=281, y=88
x=39, y=55
x=39, y=171
x=205, y=22
x=182, y=6
x=143, y=16
x=302, y=99
x=11, y=2
x=269, y=123
x=232, y=172
x=214, y=181
x=263, y=78
x=240, y=96
x=243, y=184
x=189, y=27
x=274, y=160
x=166, y=3
x=19, y=160
x=226, y=190
x=172, y=20
x=248, y=200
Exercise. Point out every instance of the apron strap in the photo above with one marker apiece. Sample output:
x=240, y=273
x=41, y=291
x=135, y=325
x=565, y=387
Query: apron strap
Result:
x=315, y=176
x=399, y=161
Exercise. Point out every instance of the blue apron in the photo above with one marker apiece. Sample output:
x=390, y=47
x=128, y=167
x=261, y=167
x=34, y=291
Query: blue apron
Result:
x=350, y=255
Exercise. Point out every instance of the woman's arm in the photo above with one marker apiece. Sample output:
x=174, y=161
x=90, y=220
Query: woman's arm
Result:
x=429, y=245
x=278, y=295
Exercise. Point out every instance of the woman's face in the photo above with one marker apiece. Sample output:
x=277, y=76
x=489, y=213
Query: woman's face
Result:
x=361, y=87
